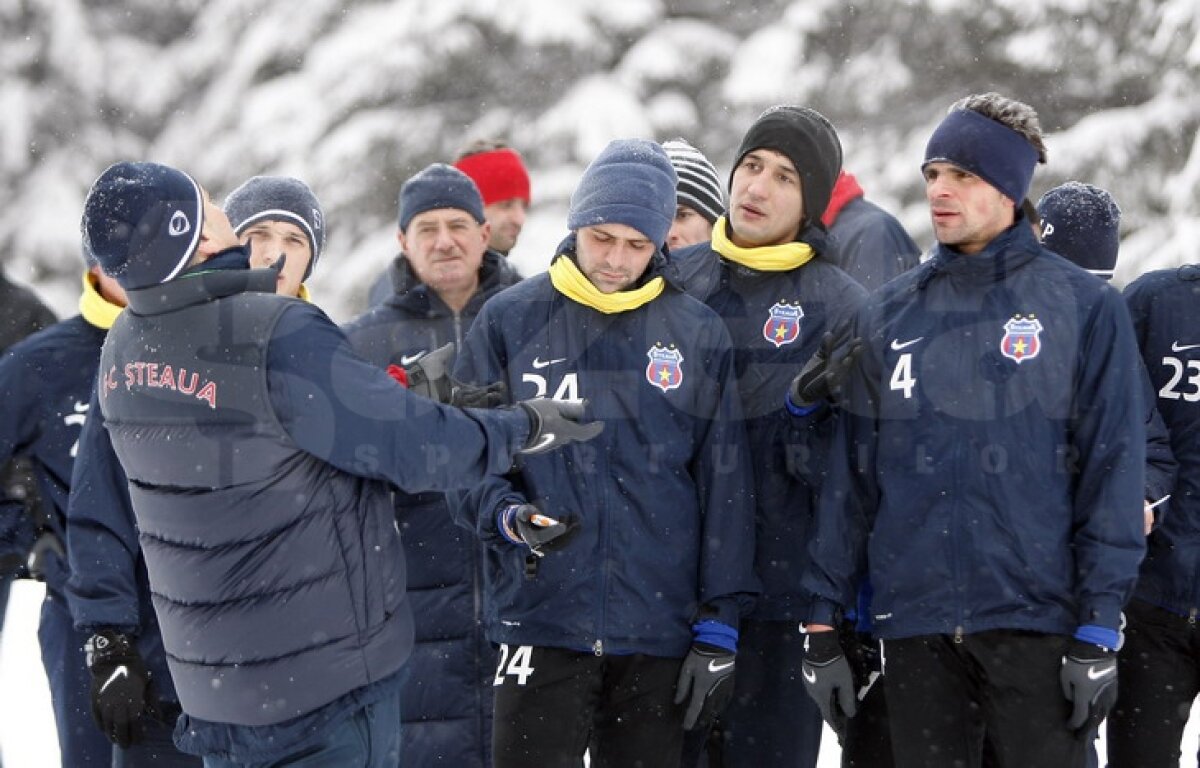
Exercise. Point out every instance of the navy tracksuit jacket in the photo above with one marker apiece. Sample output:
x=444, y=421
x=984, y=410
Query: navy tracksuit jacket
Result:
x=988, y=467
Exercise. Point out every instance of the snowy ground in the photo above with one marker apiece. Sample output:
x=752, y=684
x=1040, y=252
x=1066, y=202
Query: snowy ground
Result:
x=27, y=738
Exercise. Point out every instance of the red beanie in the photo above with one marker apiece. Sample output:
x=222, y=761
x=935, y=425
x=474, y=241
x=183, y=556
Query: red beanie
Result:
x=499, y=173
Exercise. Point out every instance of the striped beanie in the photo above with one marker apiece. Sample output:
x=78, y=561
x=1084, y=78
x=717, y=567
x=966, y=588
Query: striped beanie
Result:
x=699, y=186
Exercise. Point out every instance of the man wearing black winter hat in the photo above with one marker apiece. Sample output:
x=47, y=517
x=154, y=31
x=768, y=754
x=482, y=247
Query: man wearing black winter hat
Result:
x=763, y=274
x=245, y=424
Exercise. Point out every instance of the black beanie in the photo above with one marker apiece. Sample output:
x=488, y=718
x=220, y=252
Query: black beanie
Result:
x=1081, y=223
x=806, y=138
x=142, y=222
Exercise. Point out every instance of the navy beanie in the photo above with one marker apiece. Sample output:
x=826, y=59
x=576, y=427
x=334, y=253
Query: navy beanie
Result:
x=810, y=141
x=987, y=148
x=1080, y=223
x=631, y=182
x=439, y=186
x=278, y=198
x=142, y=222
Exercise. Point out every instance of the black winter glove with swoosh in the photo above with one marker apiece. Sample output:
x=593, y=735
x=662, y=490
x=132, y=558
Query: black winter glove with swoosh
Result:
x=706, y=677
x=121, y=690
x=829, y=679
x=554, y=423
x=1089, y=681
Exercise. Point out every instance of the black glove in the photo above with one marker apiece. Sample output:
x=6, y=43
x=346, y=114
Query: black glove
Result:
x=46, y=545
x=13, y=566
x=828, y=679
x=1089, y=680
x=525, y=524
x=491, y=395
x=120, y=686
x=822, y=376
x=429, y=375
x=706, y=683
x=554, y=423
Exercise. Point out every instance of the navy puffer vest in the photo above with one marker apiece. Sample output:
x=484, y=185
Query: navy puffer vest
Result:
x=278, y=579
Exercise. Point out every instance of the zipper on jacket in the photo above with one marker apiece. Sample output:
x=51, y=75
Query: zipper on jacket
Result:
x=598, y=647
x=1192, y=617
x=458, y=336
x=958, y=635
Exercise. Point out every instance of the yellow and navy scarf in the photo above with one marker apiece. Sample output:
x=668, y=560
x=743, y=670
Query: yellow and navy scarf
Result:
x=573, y=284
x=96, y=309
x=769, y=258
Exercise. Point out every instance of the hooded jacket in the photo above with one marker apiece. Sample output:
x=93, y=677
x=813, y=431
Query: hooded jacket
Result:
x=662, y=498
x=788, y=454
x=988, y=468
x=47, y=380
x=1165, y=313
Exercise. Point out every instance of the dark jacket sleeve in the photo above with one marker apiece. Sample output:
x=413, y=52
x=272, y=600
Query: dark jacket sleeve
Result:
x=1109, y=439
x=102, y=541
x=19, y=424
x=1160, y=459
x=352, y=414
x=724, y=476
x=849, y=495
x=479, y=362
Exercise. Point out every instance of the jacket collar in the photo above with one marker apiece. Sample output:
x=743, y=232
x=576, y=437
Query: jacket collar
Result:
x=1007, y=252
x=414, y=296
x=225, y=274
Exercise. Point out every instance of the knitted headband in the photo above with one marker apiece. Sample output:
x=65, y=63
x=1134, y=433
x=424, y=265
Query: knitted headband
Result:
x=987, y=148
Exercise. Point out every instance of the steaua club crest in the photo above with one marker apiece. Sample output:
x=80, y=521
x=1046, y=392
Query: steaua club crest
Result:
x=665, y=370
x=1021, y=341
x=783, y=326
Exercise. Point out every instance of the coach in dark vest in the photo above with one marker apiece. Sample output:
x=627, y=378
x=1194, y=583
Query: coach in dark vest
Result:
x=259, y=450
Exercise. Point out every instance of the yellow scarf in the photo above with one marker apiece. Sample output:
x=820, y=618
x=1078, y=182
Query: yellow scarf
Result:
x=303, y=294
x=769, y=258
x=572, y=283
x=96, y=309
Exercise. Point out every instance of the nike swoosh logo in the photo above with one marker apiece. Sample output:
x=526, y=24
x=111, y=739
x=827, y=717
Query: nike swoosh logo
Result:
x=121, y=671
x=1177, y=347
x=539, y=363
x=542, y=442
x=810, y=676
x=406, y=359
x=1094, y=674
x=713, y=666
x=899, y=345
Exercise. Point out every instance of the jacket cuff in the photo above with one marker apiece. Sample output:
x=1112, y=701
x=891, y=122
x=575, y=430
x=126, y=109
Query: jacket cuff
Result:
x=1102, y=613
x=1101, y=636
x=715, y=633
x=823, y=611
